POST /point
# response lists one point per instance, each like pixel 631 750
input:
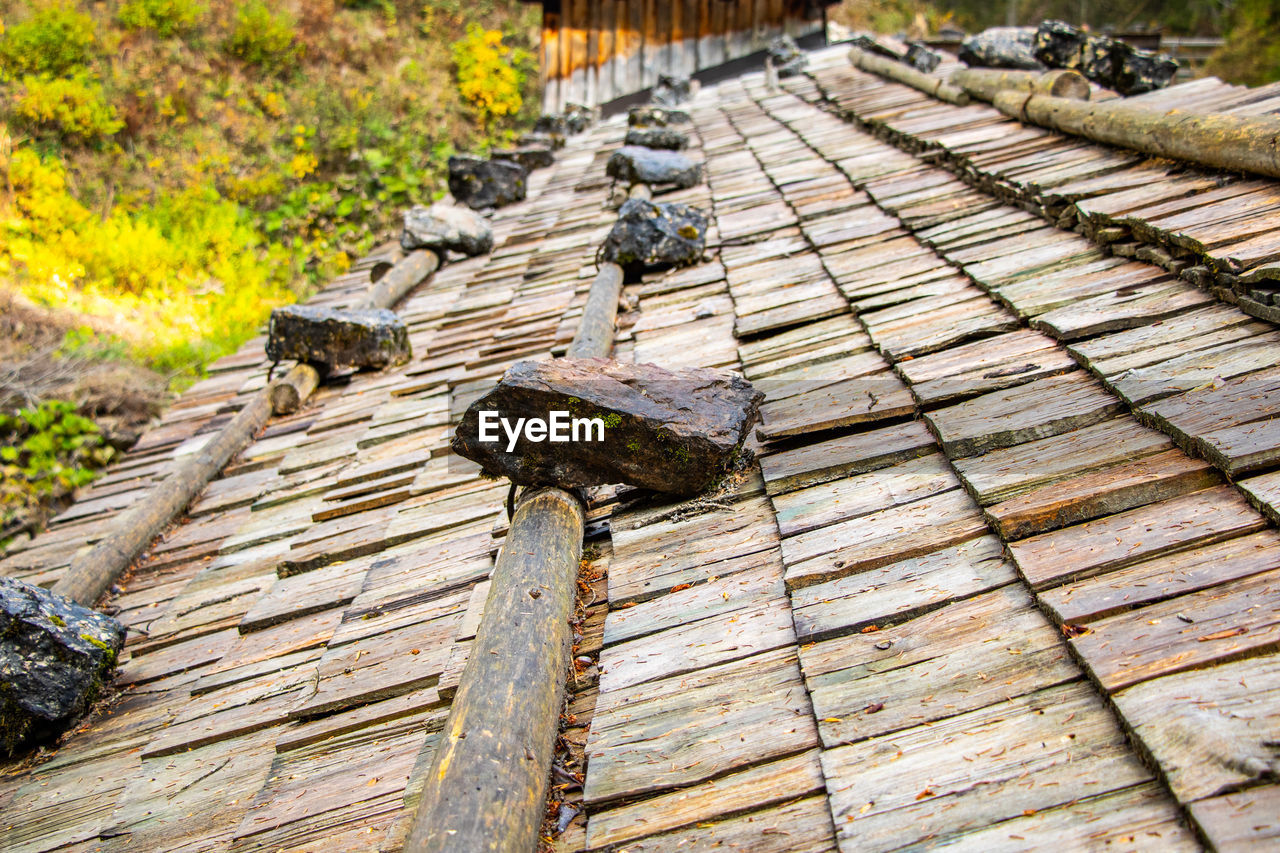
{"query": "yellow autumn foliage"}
pixel 177 279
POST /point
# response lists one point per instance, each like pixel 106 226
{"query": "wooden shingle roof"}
pixel 1006 575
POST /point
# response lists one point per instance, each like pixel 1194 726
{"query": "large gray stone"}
pixel 652 116
pixel 1001 47
pixel 331 339
pixel 54 658
pixel 787 58
pixel 552 125
pixel 443 227
pixel 633 164
pixel 921 57
pixel 665 138
pixel 650 236
pixel 480 183
pixel 578 117
pixel 530 156
pixel 671 431
pixel 671 90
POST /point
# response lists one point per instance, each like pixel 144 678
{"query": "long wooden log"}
pixel 595 330
pixel 487 786
pixel 92 573
pixel 938 87
pixel 1237 143
pixel 410 272
pixel 985 83
pixel 288 396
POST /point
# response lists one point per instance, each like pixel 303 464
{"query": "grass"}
pixel 169 171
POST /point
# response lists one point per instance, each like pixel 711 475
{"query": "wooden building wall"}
pixel 594 51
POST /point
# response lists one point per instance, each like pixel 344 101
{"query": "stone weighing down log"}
pixel 487 785
pixel 92 573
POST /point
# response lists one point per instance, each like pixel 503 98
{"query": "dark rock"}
pixel 551 125
pixel 671 91
pixel 787 58
pixel 332 339
pixel 530 156
pixel 657 137
pixel 481 183
pixel 671 431
pixel 921 57
pixel 650 236
pixel 1095 60
pixel 1108 62
pixel 635 165
pixel 1059 44
pixel 54 658
pixel 655 117
pixel 442 227
pixel 577 117
pixel 1136 71
pixel 554 141
pixel 1001 47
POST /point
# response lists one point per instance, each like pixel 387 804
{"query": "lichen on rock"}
pixel 55 657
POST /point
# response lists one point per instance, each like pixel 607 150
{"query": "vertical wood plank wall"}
pixel 594 51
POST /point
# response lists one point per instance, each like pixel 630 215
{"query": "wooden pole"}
pixel 92 573
pixel 288 396
pixel 487 785
pixel 985 83
pixel 410 272
pixel 1237 143
pixel 908 76
pixel 594 337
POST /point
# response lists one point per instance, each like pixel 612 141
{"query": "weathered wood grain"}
pixel 845 456
pixel 733 593
pixel 761 786
pixel 1038 409
pixel 946 519
pixel 957 658
pixel 1211 730
pixel 759 627
pixel 648 561
pixel 1241 821
pixel 1111 490
pixel 839 500
pixel 930 783
pixel 1009 472
pixel 1140 818
pixel 1163 577
pixel 691 728
pixel 1105 544
pixel 1226 622
pixel 901 590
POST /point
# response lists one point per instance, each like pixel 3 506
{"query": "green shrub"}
pixel 167 17
pixel 263 37
pixel 56 39
pixel 48 452
pixel 74 108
